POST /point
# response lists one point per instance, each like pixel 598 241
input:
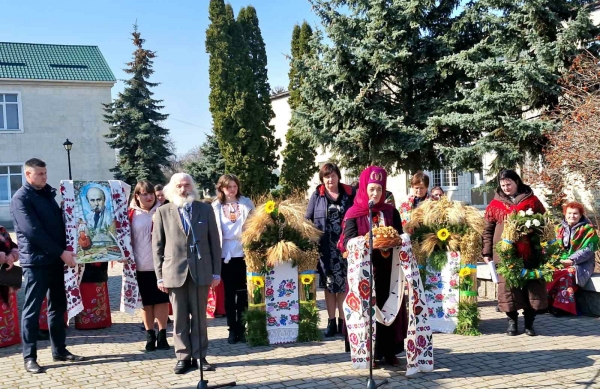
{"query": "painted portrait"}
pixel 95 221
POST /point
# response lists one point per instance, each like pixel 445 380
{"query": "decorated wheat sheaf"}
pixel 277 233
pixel 446 224
pixel 440 227
pixel 274 234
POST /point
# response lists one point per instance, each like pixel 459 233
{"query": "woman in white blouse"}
pixel 232 210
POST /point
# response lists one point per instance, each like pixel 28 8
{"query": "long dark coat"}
pixel 534 294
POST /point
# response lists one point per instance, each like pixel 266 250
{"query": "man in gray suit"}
pixel 183 273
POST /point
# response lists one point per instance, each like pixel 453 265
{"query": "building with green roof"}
pixel 49 93
pixel 28 61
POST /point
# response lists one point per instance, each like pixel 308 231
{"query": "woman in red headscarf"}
pixel 390 339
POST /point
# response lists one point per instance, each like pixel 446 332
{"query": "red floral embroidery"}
pixel 353 302
pixel 363 288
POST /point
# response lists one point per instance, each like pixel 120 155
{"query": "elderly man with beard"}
pixel 184 274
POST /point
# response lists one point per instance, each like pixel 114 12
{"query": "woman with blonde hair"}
pixel 155 302
pixel 231 211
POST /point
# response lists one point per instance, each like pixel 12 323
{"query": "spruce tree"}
pixel 299 153
pixel 207 169
pixel 247 144
pixel 512 72
pixel 368 92
pixel 134 119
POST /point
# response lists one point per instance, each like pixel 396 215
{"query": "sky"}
pixel 175 29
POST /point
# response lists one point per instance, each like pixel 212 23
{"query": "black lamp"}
pixel 68 145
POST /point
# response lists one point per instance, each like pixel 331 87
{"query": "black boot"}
pixel 529 319
pixel 161 342
pixel 331 328
pixel 232 338
pixel 241 332
pixel 340 326
pixel 346 344
pixel 150 340
pixel 513 327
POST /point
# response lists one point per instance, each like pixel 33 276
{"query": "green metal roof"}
pixel 32 61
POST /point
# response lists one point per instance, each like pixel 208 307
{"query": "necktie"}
pixel 185 213
pixel 96 219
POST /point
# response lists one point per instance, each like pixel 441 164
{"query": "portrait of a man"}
pixel 99 217
pixel 96 228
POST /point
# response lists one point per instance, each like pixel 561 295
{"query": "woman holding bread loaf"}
pixel 390 339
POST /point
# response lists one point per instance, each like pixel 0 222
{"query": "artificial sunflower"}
pixel 464 272
pixel 270 206
pixel 307 279
pixel 443 234
pixel 258 281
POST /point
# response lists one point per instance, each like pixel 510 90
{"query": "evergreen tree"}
pixel 369 92
pixel 207 169
pixel 248 21
pixel 299 153
pixel 246 142
pixel 141 142
pixel 512 78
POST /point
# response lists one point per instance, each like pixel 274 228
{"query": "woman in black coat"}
pixel 326 209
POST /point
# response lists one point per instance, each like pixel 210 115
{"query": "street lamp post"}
pixel 68 145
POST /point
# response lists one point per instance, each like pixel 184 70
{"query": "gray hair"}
pixel 169 189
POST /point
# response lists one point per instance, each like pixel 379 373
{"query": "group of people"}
pixel 340 212
pixel 578 240
pixel 183 247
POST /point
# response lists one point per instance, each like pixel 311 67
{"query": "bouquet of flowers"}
pixel 538 230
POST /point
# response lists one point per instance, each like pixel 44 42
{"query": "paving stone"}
pixel 565 354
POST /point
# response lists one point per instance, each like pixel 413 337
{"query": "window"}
pixel 11 179
pixel 437 178
pixel 477 178
pixel 10 112
pixel 445 178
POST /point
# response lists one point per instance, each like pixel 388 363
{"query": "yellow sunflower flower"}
pixel 307 279
pixel 258 281
pixel 464 272
pixel 270 206
pixel 443 234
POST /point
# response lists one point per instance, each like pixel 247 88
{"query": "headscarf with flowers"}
pixel 360 209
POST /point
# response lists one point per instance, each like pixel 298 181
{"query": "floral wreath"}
pixel 542 239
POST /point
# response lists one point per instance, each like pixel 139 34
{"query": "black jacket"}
pixel 39 226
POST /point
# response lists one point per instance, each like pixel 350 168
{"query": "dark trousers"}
pixel 233 275
pixel 37 282
pixel 529 314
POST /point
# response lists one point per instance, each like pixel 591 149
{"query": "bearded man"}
pixel 184 272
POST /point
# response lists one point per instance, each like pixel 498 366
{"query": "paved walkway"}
pixel 566 354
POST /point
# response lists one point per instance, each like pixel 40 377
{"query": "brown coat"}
pixel 173 259
pixel 534 295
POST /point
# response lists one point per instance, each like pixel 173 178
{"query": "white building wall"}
pixel 53 112
pixel 398 184
pixel 281 121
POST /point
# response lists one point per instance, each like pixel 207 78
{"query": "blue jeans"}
pixel 39 281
